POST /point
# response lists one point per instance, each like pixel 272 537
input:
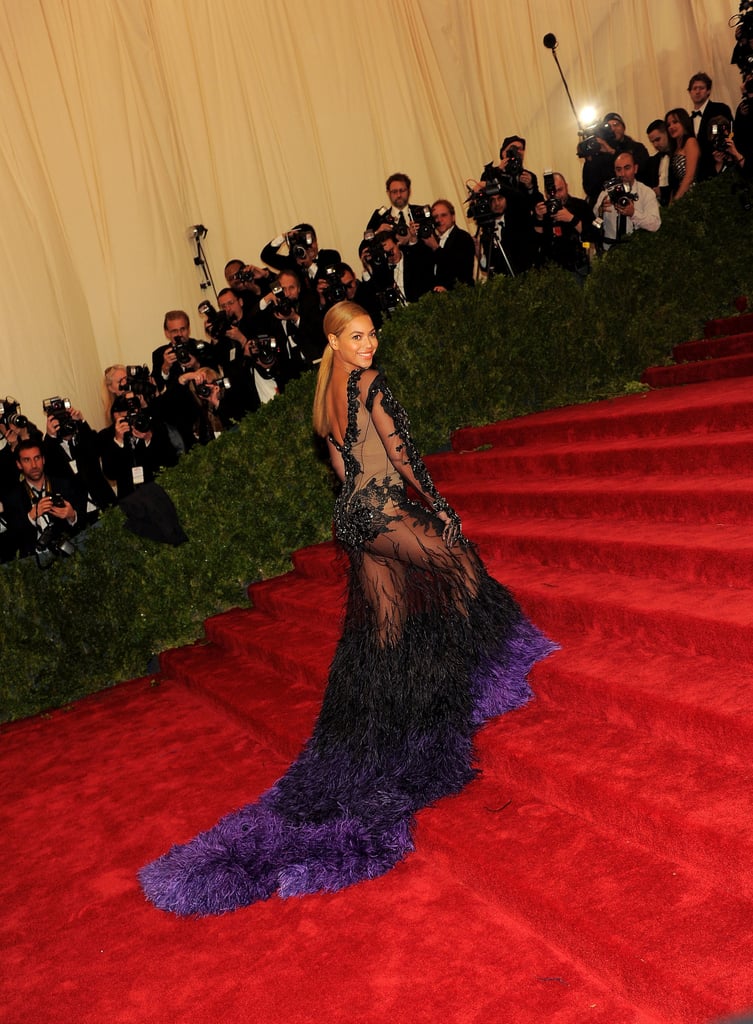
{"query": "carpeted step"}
pixel 722 453
pixel 277 709
pixel 685 617
pixel 697 499
pixel 702 408
pixel 716 555
pixel 713 348
pixel 699 702
pixel 729 325
pixel 607 900
pixel 672 800
pixel 691 373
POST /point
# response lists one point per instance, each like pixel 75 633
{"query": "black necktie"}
pixel 621 226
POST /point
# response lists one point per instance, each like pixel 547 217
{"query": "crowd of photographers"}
pixel 267 327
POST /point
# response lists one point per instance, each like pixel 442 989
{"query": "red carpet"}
pixel 598 871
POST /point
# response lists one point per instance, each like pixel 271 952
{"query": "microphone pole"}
pixel 550 42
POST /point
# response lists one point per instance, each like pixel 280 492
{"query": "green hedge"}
pixel 259 492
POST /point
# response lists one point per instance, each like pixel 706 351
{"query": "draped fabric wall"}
pixel 127 121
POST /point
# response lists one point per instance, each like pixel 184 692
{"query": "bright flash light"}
pixel 587 115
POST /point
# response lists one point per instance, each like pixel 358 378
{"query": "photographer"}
pixel 218 404
pixel 249 282
pixel 402 217
pixel 228 328
pixel 454 252
pixel 599 152
pixel 510 171
pixel 71 452
pixel 293 319
pixel 626 205
pixel 303 255
pixel 397 275
pixel 743 123
pixel 563 224
pixel 505 240
pixel 42 508
pixel 172 359
pixel 135 447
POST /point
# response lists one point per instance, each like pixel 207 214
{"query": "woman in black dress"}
pixel 431 647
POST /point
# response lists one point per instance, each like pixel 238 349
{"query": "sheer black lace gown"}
pixel 431 647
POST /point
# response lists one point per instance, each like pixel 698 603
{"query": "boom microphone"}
pixel 550 41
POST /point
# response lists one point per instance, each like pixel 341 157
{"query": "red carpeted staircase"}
pixel 726 350
pixel 600 868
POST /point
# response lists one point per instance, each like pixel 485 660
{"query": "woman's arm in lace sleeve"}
pixel 392 425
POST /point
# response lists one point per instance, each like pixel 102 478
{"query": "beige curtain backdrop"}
pixel 125 122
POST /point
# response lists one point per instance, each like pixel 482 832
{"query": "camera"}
pixel 138 382
pixel 552 203
pixel 479 201
pixel 335 289
pixel 268 347
pixel 184 350
pixel 138 418
pixel 58 501
pixel 205 390
pixel 619 193
pixel 10 414
pixel 60 408
pixel 52 542
pixel 514 166
pixel 300 243
pixel 218 322
pixel 283 305
pixel 425 223
pixel 589 144
pixel 719 132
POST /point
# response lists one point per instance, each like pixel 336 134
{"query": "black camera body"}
pixel 619 193
pixel 335 289
pixel 425 223
pixel 300 243
pixel 283 305
pixel 719 132
pixel 10 414
pixel 138 418
pixel 205 390
pixel 138 381
pixel 590 137
pixel 552 203
pixel 60 408
pixel 269 348
pixel 479 201
pixel 218 322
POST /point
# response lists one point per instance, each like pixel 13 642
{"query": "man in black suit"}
pixel 510 170
pixel 704 109
pixel 656 171
pixel 304 257
pixel 405 275
pixel 401 216
pixel 42 506
pixel 564 223
pixel 506 242
pixel 454 252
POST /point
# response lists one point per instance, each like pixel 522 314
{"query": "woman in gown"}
pixel 684 152
pixel 431 647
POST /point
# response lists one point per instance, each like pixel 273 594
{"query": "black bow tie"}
pixel 697 113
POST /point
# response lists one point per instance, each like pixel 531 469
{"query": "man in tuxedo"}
pixel 511 171
pixel 506 242
pixel 304 255
pixel 704 109
pixel 563 223
pixel 401 216
pixel 453 249
pixel 406 274
pixel 42 505
pixel 656 173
